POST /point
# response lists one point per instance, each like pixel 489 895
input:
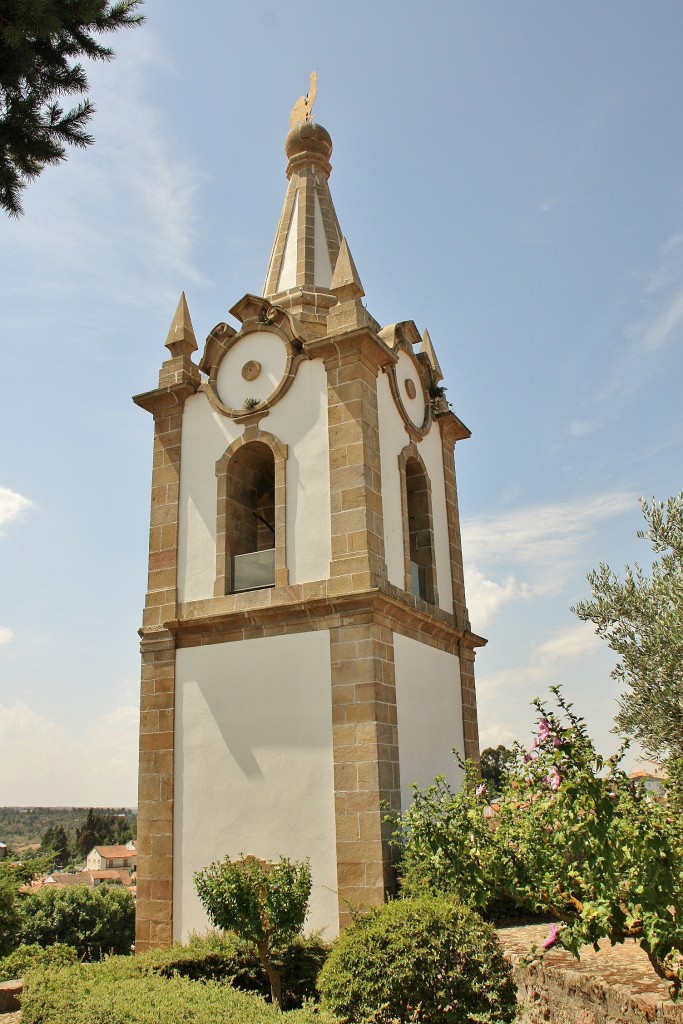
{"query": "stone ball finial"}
pixel 308 142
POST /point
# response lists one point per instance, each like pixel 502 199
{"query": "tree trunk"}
pixel 273 975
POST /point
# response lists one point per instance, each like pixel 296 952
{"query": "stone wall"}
pixel 616 985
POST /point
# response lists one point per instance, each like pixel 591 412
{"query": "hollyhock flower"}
pixel 553 778
pixel 553 936
pixel 543 730
pixel 480 790
pixel 557 742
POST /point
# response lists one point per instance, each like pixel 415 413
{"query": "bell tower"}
pixel 306 648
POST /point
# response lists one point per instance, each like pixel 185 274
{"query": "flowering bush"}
pixel 572 837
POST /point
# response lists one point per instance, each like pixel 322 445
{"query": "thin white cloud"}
pixel 504 696
pixel 651 451
pixel 667 326
pixel 546 660
pixel 46 764
pixel 6 635
pixel 541 534
pixel 485 597
pixel 546 540
pixel 668 272
pixel 12 505
pixel 137 153
pixel 129 201
pixel 659 326
pixel 580 428
pixel 572 642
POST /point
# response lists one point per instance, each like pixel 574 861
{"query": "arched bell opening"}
pixel 420 575
pixel 250 518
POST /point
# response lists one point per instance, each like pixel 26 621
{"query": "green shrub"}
pixel 28 958
pixel 224 957
pixel 111 992
pixel 427 959
pixel 264 902
pixel 93 921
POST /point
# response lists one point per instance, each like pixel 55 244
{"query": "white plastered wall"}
pixel 206 434
pixel 254 765
pixel 299 419
pixel 393 438
pixel 429 710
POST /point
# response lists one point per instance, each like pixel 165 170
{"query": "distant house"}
pixel 653 775
pixel 62 879
pixel 111 877
pixel 108 858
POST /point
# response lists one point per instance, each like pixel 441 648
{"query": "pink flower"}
pixel 557 742
pixel 480 790
pixel 553 778
pixel 543 730
pixel 553 936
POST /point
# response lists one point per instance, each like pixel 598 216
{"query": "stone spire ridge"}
pixel 346 283
pixel 349 312
pixel 308 238
pixel 428 350
pixel 181 339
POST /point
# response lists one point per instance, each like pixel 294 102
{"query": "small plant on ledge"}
pixel 250 403
pixel 437 396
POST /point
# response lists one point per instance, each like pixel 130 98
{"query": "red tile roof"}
pixel 112 873
pixel 110 852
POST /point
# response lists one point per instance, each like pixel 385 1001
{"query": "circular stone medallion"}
pixel 251 369
pixel 254 367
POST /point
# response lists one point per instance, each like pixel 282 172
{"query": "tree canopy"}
pixel 263 902
pixel 641 617
pixel 495 763
pixel 40 44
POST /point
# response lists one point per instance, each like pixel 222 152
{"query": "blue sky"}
pixel 509 176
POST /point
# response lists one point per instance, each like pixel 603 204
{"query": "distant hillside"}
pixel 24 826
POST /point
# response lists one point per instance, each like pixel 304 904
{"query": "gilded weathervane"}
pixel 302 110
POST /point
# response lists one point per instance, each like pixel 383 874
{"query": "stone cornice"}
pixel 452 428
pixel 166 399
pixel 289 608
pixel 361 341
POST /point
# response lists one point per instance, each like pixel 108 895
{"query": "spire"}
pixel 349 312
pixel 308 238
pixel 428 350
pixel 345 280
pixel 181 340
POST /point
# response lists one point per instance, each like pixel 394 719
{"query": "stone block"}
pixel 10 995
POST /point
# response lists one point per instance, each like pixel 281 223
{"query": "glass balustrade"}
pixel 418 581
pixel 254 570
